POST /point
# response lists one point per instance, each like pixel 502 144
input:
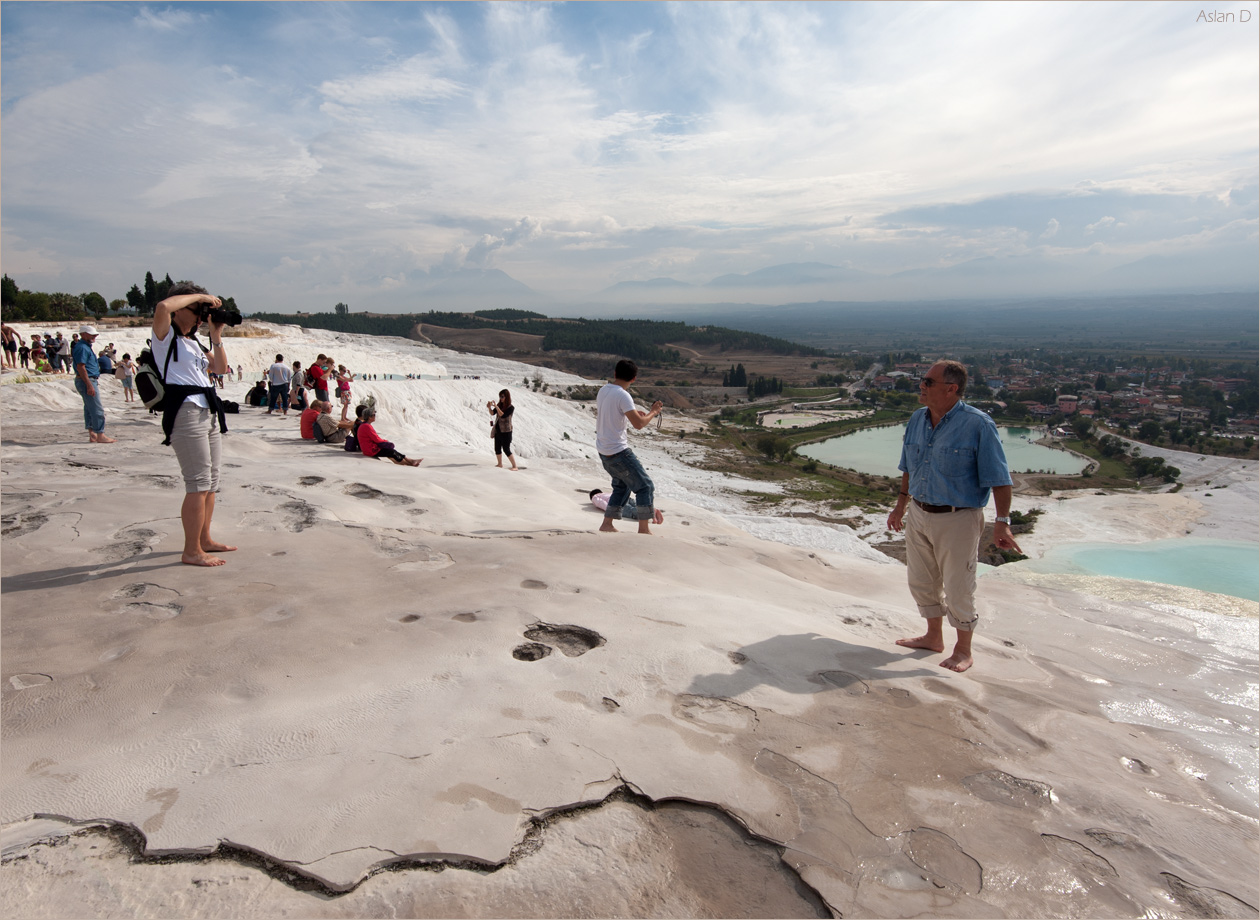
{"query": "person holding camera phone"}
pixel 501 427
pixel 192 415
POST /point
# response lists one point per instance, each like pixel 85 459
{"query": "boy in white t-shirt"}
pixel 614 407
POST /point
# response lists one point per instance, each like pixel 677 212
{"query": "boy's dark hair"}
pixel 626 370
pixel 186 287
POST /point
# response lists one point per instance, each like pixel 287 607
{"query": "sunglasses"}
pixel 929 382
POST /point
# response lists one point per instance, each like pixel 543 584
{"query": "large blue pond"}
pixel 877 450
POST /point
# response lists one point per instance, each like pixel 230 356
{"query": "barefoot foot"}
pixel 213 546
pixel 658 516
pixel 103 438
pixel 413 461
pixel 957 662
pixel 201 559
pixel 927 642
pixel 607 527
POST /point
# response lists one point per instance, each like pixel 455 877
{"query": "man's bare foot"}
pixel 658 516
pixel 957 662
pixel 201 559
pixel 213 546
pixel 927 642
pixel 607 526
pixel 413 461
pixel 103 438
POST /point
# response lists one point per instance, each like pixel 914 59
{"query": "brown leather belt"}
pixel 938 509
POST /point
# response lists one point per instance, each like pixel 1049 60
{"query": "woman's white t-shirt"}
pixel 189 365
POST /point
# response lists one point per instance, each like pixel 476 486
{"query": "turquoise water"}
pixel 877 450
pixel 1220 566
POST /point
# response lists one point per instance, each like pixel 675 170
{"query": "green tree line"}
pixel 36 306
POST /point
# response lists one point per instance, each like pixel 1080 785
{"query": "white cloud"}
pixel 1052 228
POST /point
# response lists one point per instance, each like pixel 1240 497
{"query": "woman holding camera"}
pixel 192 416
pixel 501 427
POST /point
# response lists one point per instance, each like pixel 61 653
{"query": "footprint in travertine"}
pixel 128 543
pixel 851 684
pixel 365 491
pixel 430 559
pixel 571 640
pixel 1205 902
pixel 1138 767
pixel 294 516
pixel 715 712
pixel 465 617
pixel 940 856
pixel 531 651
pixel 902 699
pixel 534 584
pixel 409 618
pixel 160 481
pixel 737 657
pixel 310 480
pixel 1084 862
pixel 26 681
pixel 996 786
pixel 150 600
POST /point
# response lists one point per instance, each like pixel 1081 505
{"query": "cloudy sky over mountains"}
pixel 299 154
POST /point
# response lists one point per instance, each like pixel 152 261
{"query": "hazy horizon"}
pixel 401 157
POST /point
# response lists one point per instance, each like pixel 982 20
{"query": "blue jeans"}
pixel 93 411
pixel 628 476
pixel 279 394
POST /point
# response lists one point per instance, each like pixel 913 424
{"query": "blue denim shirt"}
pixel 955 463
pixel 83 354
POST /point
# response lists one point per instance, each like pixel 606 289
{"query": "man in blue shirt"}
pixel 951 458
pixel 86 380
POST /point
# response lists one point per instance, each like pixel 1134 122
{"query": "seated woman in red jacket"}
pixel 372 444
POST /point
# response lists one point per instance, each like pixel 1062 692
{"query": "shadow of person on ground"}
pixel 804 663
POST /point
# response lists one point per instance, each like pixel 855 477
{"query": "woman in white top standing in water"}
pixel 193 403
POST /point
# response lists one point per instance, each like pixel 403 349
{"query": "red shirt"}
pixel 369 441
pixel 317 377
pixel 308 423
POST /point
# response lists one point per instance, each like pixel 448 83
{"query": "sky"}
pixel 412 156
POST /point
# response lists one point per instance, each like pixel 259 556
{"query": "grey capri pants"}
pixel 197 444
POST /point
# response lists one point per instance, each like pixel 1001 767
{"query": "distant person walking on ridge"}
pixel 278 377
pixel 192 415
pixel 614 408
pixel 87 373
pixel 951 458
pixel 501 427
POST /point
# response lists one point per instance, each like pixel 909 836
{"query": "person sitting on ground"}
pixel 373 445
pixel 258 395
pixel 309 415
pixel 334 431
pixel 599 499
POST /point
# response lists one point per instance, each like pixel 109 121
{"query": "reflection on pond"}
pixel 877 450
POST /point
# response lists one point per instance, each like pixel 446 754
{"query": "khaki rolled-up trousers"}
pixel 941 558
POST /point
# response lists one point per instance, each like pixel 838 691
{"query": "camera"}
pixel 228 316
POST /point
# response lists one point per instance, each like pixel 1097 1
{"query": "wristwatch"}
pixel 1002 520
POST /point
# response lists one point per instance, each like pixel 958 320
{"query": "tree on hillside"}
pixel 341 309
pixel 150 294
pixel 95 304
pixel 116 305
pixel 135 298
pixel 65 307
pixel 8 291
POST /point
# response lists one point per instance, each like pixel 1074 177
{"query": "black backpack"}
pixel 151 382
